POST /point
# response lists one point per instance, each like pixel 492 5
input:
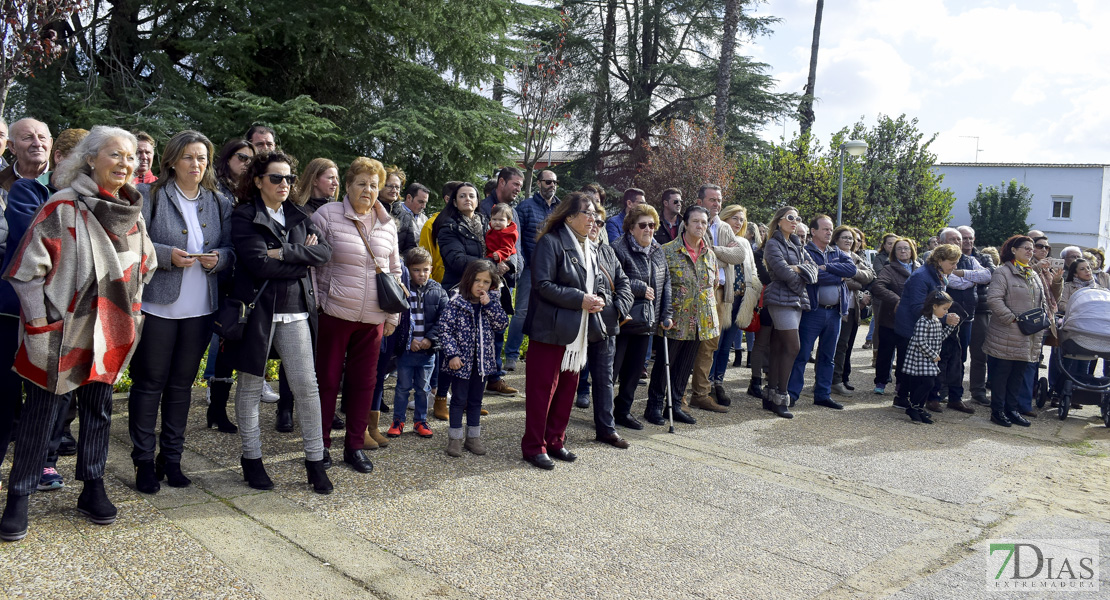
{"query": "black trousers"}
pixel 682 354
pixel 162 373
pixel 40 412
pixel 600 363
pixel 11 384
pixel 844 344
pixel 950 382
pixel 628 362
pixel 889 343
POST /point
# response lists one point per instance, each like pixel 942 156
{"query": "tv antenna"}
pixel 977 150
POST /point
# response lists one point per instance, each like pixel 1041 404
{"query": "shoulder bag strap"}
pixel 362 234
pixel 258 296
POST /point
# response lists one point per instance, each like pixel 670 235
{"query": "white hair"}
pixel 943 235
pixel 1076 249
pixel 966 230
pixel 78 160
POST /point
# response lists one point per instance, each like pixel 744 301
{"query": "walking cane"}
pixel 667 366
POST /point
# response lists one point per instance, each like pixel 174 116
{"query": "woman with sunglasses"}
pixel 791 269
pixel 641 257
pixel 352 325
pixel 275 246
pixel 1051 278
pixel 563 299
pixel 741 296
pixel 1012 356
pixel 230 166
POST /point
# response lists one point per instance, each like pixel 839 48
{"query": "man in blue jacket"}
pixel 828 302
pixel 531 213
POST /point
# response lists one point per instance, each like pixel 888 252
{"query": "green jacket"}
pixel 692 300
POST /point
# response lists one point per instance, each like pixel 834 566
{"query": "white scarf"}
pixel 574 357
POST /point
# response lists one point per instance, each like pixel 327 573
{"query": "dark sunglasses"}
pixel 1043 247
pixel 646 225
pixel 277 179
pixel 551 181
pixel 599 223
pixel 243 157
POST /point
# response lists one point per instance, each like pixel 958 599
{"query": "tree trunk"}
pixel 724 66
pixel 805 110
pixel 608 48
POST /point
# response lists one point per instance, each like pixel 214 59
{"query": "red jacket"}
pixel 501 244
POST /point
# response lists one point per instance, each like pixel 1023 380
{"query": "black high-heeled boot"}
pixel 171 471
pixel 254 473
pixel 146 477
pixel 318 476
pixel 217 408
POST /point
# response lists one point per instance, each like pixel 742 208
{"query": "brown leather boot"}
pixel 372 429
pixel 708 403
pixel 933 406
pixel 439 409
pixel 961 406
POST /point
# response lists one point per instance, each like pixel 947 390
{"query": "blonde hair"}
pixel 307 181
pixel 364 166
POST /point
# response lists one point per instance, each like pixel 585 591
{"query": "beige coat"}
pixel 1009 295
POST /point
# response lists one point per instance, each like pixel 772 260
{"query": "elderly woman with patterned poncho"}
pixel 80 274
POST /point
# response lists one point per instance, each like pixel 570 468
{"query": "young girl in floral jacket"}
pixel 467 328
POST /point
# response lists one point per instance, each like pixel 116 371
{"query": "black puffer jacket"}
pixel 612 285
pixel 459 246
pixel 646 270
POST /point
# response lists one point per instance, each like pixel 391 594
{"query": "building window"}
pixel 1061 207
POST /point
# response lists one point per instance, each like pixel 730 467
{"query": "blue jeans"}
pixel 414 372
pixel 210 364
pixel 516 325
pixel 819 324
pixel 871 327
pixel 724 347
pixel 498 343
pixel 1011 384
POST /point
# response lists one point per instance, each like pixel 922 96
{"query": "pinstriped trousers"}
pixel 36 424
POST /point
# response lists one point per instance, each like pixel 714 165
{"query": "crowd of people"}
pixel 241 255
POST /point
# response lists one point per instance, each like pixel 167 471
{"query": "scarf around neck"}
pixel 574 357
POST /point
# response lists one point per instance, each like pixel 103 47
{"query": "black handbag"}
pixel 642 314
pixel 392 297
pixel 233 315
pixel 1033 321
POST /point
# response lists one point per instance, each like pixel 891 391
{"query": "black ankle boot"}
pixel 755 388
pixel 13 525
pixel 914 414
pixel 682 416
pixel 318 476
pixel 217 408
pixel 653 413
pixel 146 477
pixel 94 503
pixel 254 473
pixel 284 421
pixel 172 472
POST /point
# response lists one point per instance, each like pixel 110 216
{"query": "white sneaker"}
pixel 269 396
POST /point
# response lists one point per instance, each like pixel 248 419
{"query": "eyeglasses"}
pixel 1044 247
pixel 392 186
pixel 646 225
pixel 277 179
pixel 243 157
pixel 589 213
pixel 1024 248
pixel 549 181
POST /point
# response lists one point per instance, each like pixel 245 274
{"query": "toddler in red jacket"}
pixel 501 242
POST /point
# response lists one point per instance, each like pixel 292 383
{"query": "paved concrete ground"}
pixel 832 504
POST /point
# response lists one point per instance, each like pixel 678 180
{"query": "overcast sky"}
pixel 1030 79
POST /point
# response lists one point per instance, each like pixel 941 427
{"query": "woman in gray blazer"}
pixel 191 231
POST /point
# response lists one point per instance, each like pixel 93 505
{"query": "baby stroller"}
pixel 1084 336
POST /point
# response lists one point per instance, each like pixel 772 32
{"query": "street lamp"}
pixel 855 148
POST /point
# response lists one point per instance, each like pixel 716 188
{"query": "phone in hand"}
pixel 201 254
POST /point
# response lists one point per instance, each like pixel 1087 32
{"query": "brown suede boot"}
pixel 439 410
pixel 372 429
pixel 368 442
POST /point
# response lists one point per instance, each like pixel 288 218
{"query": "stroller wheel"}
pixel 1105 406
pixel 1065 403
pixel 1042 392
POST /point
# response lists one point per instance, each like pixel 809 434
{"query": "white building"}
pixel 1071 203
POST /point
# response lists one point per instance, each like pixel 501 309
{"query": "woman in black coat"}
pixel 275 245
pixel 564 280
pixel 614 288
pixel 460 232
pixel 641 256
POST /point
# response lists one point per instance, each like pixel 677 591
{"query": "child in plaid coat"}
pixel 923 353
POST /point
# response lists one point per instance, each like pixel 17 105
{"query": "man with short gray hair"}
pixel 962 286
pixel 977 373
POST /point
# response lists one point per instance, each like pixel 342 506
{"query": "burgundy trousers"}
pixel 357 345
pixel 549 398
